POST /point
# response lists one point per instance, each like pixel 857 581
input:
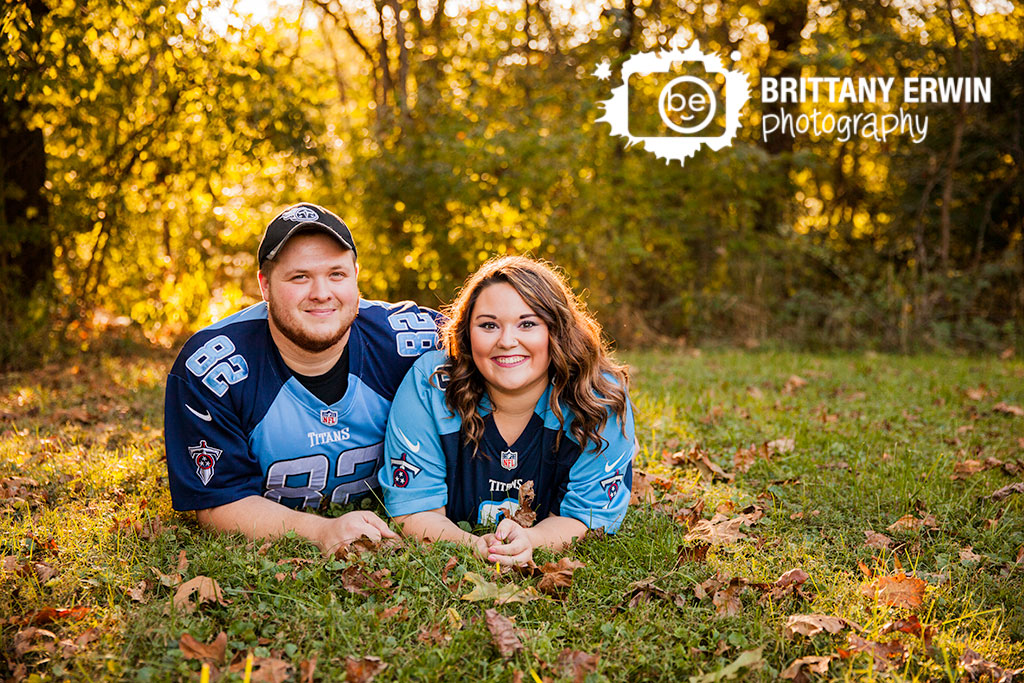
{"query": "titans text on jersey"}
pixel 238 423
pixel 426 465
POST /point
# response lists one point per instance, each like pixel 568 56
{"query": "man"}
pixel 283 406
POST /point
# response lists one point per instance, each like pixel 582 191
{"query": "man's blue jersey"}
pixel 237 422
pixel 427 465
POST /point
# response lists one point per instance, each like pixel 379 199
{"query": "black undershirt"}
pixel 330 386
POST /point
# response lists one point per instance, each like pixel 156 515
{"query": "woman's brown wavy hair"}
pixel 582 373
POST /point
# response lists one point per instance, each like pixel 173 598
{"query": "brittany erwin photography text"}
pixel 875 125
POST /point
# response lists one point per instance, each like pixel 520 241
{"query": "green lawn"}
pixel 86 519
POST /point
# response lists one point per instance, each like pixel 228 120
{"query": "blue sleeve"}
pixel 413 476
pixel 208 457
pixel 599 481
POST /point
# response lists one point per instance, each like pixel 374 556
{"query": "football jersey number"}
pixel 313 470
pixel 208 362
pixel 417 332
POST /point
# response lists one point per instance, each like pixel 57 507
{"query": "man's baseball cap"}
pixel 302 217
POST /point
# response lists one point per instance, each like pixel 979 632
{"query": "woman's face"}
pixel 509 342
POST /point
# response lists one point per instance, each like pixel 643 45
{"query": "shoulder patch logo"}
pixel 404 470
pixel 611 485
pixel 329 417
pixel 510 459
pixel 300 214
pixel 205 457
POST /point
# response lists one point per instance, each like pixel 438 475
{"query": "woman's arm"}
pixel 514 544
pixel 433 525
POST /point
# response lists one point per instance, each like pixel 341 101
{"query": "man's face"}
pixel 311 292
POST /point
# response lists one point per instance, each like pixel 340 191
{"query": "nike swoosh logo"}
pixel 205 417
pixel 405 439
pixel 626 455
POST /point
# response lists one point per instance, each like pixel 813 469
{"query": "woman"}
pixel 523 391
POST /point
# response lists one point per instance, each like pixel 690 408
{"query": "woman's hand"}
pixel 510 544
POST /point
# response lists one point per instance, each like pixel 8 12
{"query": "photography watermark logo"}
pixel 676 101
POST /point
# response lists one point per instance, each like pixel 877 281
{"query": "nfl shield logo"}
pixel 329 417
pixel 509 459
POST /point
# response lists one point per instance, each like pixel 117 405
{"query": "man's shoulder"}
pixel 243 333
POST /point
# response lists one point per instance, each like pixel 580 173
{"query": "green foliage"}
pixel 446 135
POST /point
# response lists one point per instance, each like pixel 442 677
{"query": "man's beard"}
pixel 302 338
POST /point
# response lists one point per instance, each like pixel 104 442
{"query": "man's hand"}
pixel 339 532
pixel 512 544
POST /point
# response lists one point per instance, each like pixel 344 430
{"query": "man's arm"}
pixel 257 517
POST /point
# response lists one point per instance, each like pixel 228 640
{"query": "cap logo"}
pixel 300 214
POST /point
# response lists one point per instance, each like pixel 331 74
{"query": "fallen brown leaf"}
pixel 448 567
pixel 503 634
pixel 699 458
pixel 720 530
pixel 896 591
pixel 434 634
pixel 874 539
pixel 799 668
pixel 977 393
pixel 363 669
pixel 264 669
pixel 750 659
pixel 812 624
pixel 577 664
pixel 212 652
pixel 975 666
pixel 206 590
pixel 968 555
pixel 1007 491
pixel 1008 409
pixel 911 523
pixel 642 591
pixel 558 575
pixel 25 641
pixel 169 580
pixel 793 384
pixel 524 516
pixel 641 491
pixel 50 614
pixel 399 612
pixel 354 579
pixel 692 553
pixel 138 591
pixel 727 601
pixel 781 446
pixel 881 653
pixel 306 669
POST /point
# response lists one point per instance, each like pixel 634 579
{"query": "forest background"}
pixel 144 145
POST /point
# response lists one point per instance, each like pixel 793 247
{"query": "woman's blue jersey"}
pixel 237 422
pixel 427 465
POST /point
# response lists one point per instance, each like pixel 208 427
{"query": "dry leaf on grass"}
pixel 138 591
pixel 642 491
pixel 699 458
pixel 874 539
pixel 720 530
pixel 354 579
pixel 486 590
pixel 896 591
pixel 48 615
pixel 399 612
pixel 577 664
pixel 812 624
pixel 750 660
pixel 727 601
pixel 883 654
pixel 264 669
pixel 1007 491
pixel 1008 409
pixel 788 584
pixel 909 522
pixel 692 553
pixel 968 555
pixel 558 575
pixel 212 652
pixel 503 634
pixel 206 590
pixel 363 669
pixel 434 634
pixel 448 567
pixel 793 384
pixel 969 467
pixel 306 669
pixel 781 446
pixel 800 668
pixel 976 666
pixel 642 591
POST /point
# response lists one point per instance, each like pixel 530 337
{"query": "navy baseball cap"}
pixel 303 217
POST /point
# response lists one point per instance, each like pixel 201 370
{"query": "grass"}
pixel 876 437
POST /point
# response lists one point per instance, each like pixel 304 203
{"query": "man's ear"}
pixel 264 285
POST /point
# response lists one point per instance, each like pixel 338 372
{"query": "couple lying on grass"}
pixel 315 396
